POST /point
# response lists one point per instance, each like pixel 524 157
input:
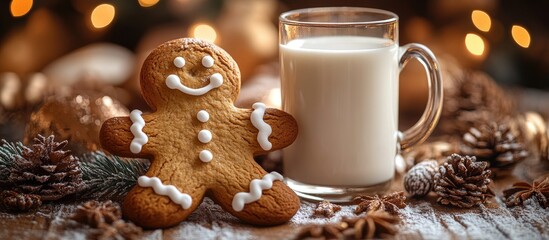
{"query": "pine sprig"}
pixel 105 176
pixel 109 177
pixel 8 151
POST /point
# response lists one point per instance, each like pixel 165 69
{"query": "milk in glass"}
pixel 343 92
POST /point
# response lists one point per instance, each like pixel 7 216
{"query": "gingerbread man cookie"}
pixel 199 143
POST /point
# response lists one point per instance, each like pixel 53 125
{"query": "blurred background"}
pixel 82 57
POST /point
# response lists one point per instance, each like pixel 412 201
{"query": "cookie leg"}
pixel 276 205
pixel 158 206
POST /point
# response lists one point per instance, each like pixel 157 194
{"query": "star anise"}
pixel 106 220
pixel 521 191
pixel 97 214
pixel 326 208
pixel 120 229
pixel 390 203
pixel 375 224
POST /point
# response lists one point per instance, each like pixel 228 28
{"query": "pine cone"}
pixel 420 179
pixel 532 129
pixel 20 202
pixel 436 150
pixel 46 170
pixel 472 97
pixel 493 143
pixel 463 182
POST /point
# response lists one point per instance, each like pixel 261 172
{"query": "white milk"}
pixel 343 92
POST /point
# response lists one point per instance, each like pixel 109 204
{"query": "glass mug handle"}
pixel 428 121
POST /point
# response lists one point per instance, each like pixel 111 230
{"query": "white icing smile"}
pixel 174 82
pixel 170 191
pixel 256 190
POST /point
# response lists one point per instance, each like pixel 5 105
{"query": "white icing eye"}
pixel 179 62
pixel 216 80
pixel 207 61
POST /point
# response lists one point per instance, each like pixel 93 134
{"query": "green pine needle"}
pixel 105 177
pixel 8 151
pixel 109 177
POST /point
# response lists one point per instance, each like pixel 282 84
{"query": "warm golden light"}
pixel 474 44
pixel 148 3
pixel 274 99
pixel 20 7
pixel 204 32
pixel 102 15
pixel 481 20
pixel 521 36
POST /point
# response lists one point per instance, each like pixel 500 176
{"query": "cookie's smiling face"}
pixel 194 68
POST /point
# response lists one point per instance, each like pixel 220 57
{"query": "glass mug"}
pixel 340 74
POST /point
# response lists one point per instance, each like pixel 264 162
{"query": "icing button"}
pixel 204 136
pixel 203 116
pixel 205 156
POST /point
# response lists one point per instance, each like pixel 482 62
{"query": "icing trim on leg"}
pixel 139 137
pixel 265 129
pixel 256 189
pixel 170 191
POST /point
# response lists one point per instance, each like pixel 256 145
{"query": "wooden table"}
pixel 422 219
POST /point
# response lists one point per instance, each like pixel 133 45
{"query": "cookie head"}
pixel 186 69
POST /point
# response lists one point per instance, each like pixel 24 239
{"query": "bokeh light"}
pixel 147 3
pixel 475 44
pixel 481 20
pixel 19 8
pixel 274 98
pixel 521 36
pixel 204 32
pixel 102 15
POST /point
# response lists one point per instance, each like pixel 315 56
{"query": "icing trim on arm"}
pixel 170 191
pixel 174 82
pixel 265 129
pixel 139 137
pixel 256 188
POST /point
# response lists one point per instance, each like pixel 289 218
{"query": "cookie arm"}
pixel 284 128
pixel 116 137
pixel 266 129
